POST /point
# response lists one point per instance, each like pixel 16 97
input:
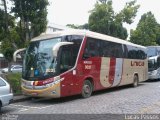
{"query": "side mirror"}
pixel 58 45
pixel 15 55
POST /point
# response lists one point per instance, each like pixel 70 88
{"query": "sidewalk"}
pixel 20 98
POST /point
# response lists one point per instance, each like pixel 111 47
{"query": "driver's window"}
pixel 66 59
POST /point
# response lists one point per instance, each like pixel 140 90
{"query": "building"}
pixel 51 27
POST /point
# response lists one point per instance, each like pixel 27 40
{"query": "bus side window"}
pixel 111 49
pixel 66 59
pixel 92 48
pixel 117 51
pixel 125 51
pixel 106 49
pixel 132 52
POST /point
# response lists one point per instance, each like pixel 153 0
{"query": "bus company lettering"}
pixel 137 63
pixel 87 62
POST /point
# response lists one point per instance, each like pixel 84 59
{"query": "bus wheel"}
pixel 135 81
pixel 87 89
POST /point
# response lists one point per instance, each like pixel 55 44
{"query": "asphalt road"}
pixel 145 99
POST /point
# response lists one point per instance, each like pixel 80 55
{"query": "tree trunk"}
pixel 6 16
pixel 27 31
pixel 9 66
pixel 22 23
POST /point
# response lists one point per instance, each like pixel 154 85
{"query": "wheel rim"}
pixel 86 89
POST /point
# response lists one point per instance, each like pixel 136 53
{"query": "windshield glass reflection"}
pixel 39 62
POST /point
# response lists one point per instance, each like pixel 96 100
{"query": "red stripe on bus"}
pixel 112 70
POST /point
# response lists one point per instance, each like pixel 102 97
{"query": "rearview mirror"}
pixel 58 45
pixel 16 55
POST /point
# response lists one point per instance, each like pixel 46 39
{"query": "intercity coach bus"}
pixel 153 53
pixel 79 62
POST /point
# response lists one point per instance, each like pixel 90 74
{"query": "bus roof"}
pixel 153 46
pixel 84 33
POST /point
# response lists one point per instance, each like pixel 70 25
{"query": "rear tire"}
pixel 87 89
pixel 135 81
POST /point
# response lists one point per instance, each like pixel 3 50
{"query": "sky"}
pixel 76 12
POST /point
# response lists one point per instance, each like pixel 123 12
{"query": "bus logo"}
pixel 137 63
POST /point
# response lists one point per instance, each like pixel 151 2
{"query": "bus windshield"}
pixel 152 65
pixel 39 62
pixel 151 51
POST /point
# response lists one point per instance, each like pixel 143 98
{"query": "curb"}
pixel 20 98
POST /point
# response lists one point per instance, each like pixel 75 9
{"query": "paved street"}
pixel 122 100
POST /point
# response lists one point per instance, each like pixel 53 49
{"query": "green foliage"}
pixel 8 38
pixel 11 24
pixel 128 13
pixel 85 26
pixel 72 26
pixel 15 81
pixel 32 14
pixel 147 31
pixel 7 50
pixel 32 22
pixel 104 20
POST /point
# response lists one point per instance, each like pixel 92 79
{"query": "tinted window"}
pixel 2 83
pixel 111 49
pixel 125 51
pixel 69 53
pixel 65 60
pixel 141 54
pixel 73 38
pixel 96 47
pixel 92 48
pixel 151 51
pixel 135 52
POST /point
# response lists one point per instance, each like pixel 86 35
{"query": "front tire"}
pixel 87 89
pixel 135 81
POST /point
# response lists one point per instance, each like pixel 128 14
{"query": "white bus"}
pixel 153 53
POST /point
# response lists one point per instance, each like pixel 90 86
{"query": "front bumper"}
pixel 51 92
pixel 153 75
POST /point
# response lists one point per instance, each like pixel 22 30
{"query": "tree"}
pixel 32 14
pixel 104 20
pixel 8 34
pixel 84 26
pixel 147 31
pixel 72 26
pixel 32 22
pixel 5 15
